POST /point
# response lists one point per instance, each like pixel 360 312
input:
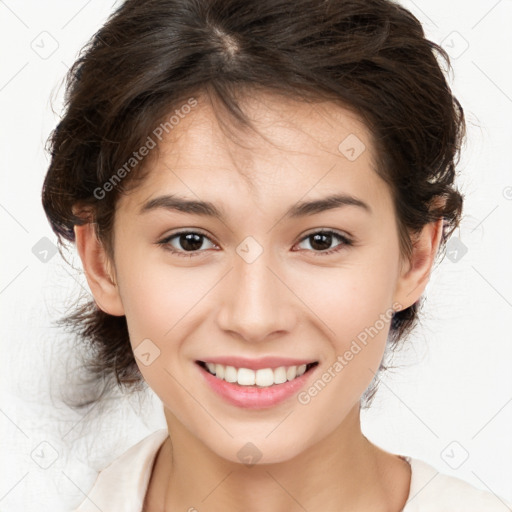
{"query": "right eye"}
pixel 190 242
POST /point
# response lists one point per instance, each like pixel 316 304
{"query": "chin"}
pixel 254 451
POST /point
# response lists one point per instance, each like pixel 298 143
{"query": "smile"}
pixel 263 378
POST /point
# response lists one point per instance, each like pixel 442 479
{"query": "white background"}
pixel 452 397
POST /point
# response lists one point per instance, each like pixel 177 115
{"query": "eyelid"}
pixel 342 234
pixel 183 231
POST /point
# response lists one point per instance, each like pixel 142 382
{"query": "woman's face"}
pixel 253 282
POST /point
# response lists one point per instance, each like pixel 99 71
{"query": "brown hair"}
pixel 368 55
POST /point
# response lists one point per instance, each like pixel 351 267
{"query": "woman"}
pixel 258 192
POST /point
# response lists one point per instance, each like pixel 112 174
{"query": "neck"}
pixel 344 471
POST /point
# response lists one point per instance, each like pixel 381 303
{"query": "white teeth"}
pixel 230 375
pixel 219 371
pixel 291 372
pixel 301 369
pixel 280 375
pixel 246 377
pixel 264 377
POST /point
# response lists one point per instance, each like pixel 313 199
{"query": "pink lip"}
pixel 258 364
pixel 254 397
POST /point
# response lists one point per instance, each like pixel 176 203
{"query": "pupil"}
pixel 191 241
pixel 318 237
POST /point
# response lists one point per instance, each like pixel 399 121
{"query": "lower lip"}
pixel 253 397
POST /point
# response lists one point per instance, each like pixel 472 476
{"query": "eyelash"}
pixel 346 242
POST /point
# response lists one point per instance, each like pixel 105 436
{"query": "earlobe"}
pixel 98 270
pixel 415 276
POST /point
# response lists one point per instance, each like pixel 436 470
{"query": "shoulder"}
pixel 433 491
pixel 123 483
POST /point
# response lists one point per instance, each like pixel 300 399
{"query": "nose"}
pixel 256 301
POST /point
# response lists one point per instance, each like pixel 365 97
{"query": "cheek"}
pixel 157 296
pixel 360 317
pixel 349 298
pixel 159 303
pixel 354 307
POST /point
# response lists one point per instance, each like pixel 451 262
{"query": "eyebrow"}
pixel 208 209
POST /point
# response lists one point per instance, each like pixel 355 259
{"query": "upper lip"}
pixel 257 364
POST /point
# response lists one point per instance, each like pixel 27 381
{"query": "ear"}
pixel 98 270
pixel 415 273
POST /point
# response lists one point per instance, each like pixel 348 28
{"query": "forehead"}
pixel 299 149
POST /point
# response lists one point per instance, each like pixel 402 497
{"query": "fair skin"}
pixel 289 301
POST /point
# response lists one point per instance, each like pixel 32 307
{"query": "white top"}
pixel 122 485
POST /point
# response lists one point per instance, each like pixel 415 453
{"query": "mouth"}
pixel 261 378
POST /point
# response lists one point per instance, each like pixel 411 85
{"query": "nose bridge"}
pixel 256 302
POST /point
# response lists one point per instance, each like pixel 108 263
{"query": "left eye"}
pixel 322 240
